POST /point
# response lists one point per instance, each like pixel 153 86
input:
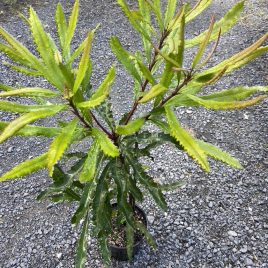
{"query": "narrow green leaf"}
pixel 61 24
pixel 6 87
pixel 218 154
pixel 124 57
pixel 130 240
pixel 203 44
pixel 70 30
pixel 25 119
pixel 226 23
pixel 145 71
pixel 131 128
pixel 77 52
pixel 152 93
pixel 148 236
pixel 101 93
pixel 89 169
pixel 226 105
pixel 14 107
pixel 197 9
pixel 21 50
pixel 146 180
pixel 105 143
pixel 170 11
pixel 146 25
pixel 26 168
pixel 33 130
pixel 172 186
pixel 234 94
pixel 234 62
pixel 81 251
pixel 136 25
pixel 83 64
pixel 59 145
pixel 34 91
pixel 186 140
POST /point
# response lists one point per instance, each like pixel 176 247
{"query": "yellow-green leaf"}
pixel 25 119
pixel 170 11
pixel 186 140
pixel 125 58
pixel 226 105
pixel 203 45
pixel 152 93
pixel 59 145
pixel 61 24
pixel 26 168
pixel 218 154
pixel 14 107
pixel 197 9
pixel 71 28
pixel 88 172
pixel 33 130
pixel 31 91
pixel 101 93
pixel 83 64
pixel 131 127
pixel 105 143
pixel 224 24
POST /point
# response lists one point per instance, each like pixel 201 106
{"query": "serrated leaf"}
pixel 14 107
pixel 89 169
pixel 225 105
pixel 224 24
pixel 170 11
pixel 71 29
pixel 46 48
pixel 186 140
pixel 25 119
pixel 146 25
pixel 197 9
pixel 59 145
pixel 172 186
pixel 33 130
pixel 21 50
pixel 83 64
pixel 34 91
pixel 61 24
pixel 101 93
pixel 146 72
pixel 152 93
pixel 145 232
pixel 26 168
pixel 155 6
pixel 130 240
pixel 136 25
pixel 203 44
pixel 124 57
pixel 105 143
pixel 81 250
pixel 146 180
pixel 218 154
pixel 131 128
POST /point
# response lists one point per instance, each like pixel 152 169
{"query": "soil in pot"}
pixel 117 240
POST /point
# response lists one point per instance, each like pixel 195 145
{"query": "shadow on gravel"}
pixel 10 8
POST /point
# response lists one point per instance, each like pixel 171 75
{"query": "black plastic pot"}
pixel 120 253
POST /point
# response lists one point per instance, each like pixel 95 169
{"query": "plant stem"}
pixel 76 112
pixel 110 135
pixel 81 118
pixel 144 85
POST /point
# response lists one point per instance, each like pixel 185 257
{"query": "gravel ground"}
pixel 217 220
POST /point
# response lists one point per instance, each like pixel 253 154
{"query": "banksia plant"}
pixel 109 170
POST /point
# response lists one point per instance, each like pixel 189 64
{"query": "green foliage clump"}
pixel 109 170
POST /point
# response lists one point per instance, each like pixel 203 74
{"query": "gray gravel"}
pixel 217 220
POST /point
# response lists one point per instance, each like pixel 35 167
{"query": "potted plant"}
pixel 108 179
